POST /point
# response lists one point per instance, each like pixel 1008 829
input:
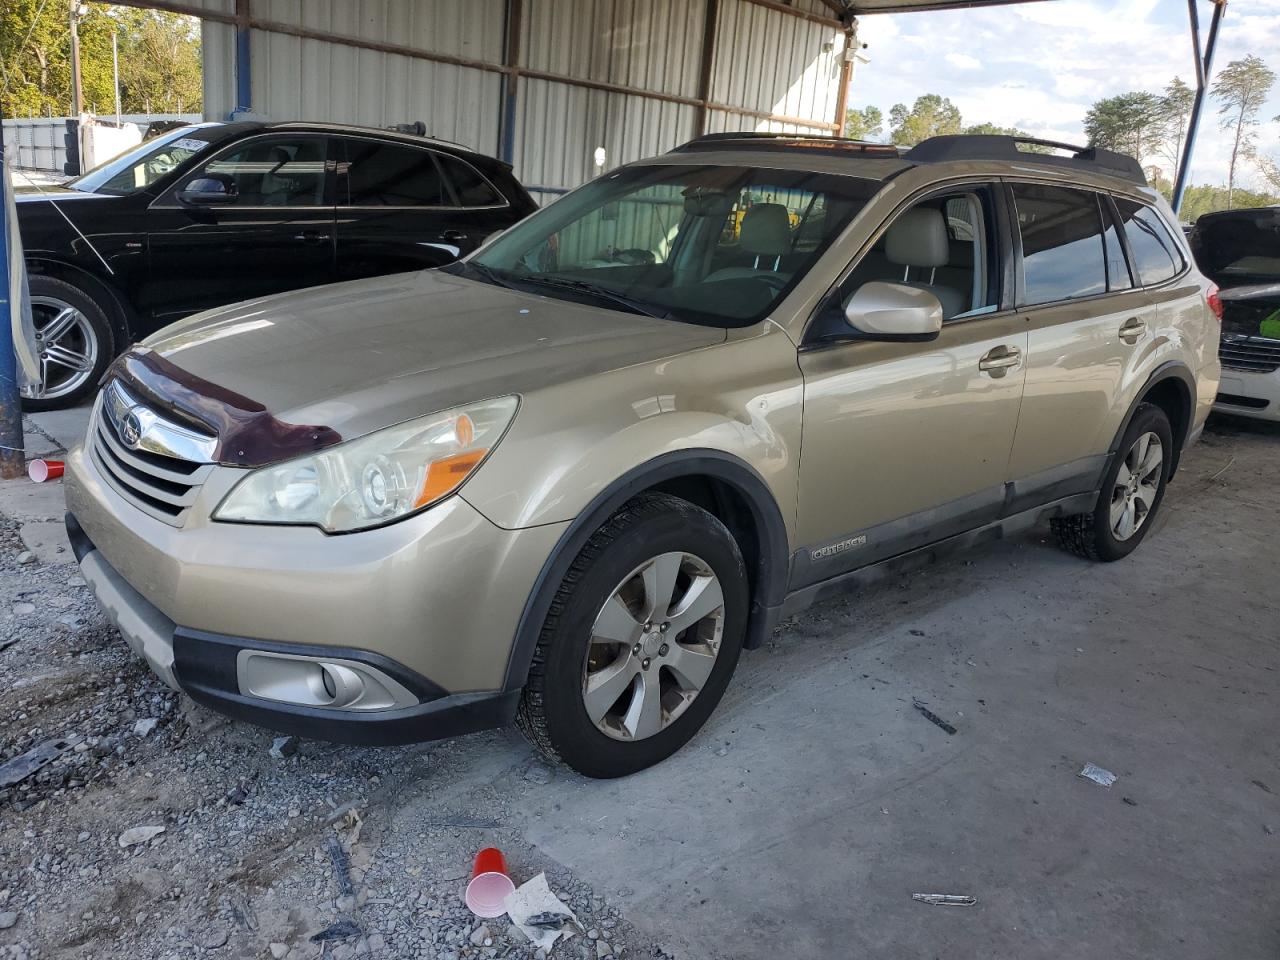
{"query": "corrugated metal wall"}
pixel 765 62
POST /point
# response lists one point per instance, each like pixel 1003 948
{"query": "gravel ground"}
pixel 239 853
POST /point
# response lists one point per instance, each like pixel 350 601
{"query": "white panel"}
pixel 774 63
pixel 652 45
pixel 218 46
pixel 460 28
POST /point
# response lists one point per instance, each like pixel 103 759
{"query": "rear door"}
pixel 406 207
pixel 277 235
pixel 1090 328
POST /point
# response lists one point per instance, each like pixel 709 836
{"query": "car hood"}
pixel 367 354
pixel 32 194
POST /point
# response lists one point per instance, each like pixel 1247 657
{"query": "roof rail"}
pixel 756 140
pixel 1001 147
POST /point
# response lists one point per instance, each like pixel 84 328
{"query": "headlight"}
pixel 375 479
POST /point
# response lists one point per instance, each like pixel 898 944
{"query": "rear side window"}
pixel 468 183
pixel 1063 256
pixel 1156 257
pixel 1118 275
pixel 393 175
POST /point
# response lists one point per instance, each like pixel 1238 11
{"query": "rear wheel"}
pixel 641 640
pixel 1132 490
pixel 73 342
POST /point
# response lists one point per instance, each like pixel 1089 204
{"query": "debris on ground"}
pixel 342 930
pixel 540 915
pixel 1095 773
pixel 282 747
pixel 19 768
pixel 933 717
pixel 136 835
pixel 944 899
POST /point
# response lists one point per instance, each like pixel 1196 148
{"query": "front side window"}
pixel 271 172
pixel 1156 257
pixel 1062 248
pixel 393 175
pixel 714 245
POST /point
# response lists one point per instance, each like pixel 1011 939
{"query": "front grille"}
pixel 1255 354
pixel 160 485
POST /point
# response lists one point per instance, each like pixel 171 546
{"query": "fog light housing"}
pixel 332 682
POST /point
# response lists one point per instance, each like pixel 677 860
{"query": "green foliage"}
pixel 865 124
pixel 1241 90
pixel 1128 123
pixel 159 59
pixel 1210 198
pixel 930 116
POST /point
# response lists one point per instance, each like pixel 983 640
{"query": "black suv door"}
pixel 405 207
pixel 275 235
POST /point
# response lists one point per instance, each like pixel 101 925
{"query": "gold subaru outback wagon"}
pixel 566 481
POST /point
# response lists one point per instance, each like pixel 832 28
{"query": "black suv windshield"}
pixel 713 245
pixel 143 165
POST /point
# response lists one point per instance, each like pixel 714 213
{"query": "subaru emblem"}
pixel 131 429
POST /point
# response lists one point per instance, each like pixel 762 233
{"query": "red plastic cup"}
pixel 42 470
pixel 490 886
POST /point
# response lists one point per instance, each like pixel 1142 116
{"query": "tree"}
pixel 1241 90
pixel 1128 123
pixel 864 124
pixel 930 116
pixel 159 51
pixel 1175 112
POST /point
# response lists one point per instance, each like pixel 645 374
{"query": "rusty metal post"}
pixel 11 452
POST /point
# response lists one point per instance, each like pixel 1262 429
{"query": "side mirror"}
pixel 210 189
pixel 894 311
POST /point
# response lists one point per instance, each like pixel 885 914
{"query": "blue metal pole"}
pixel 244 74
pixel 11 452
pixel 1204 73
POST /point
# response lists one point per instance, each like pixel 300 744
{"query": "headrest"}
pixel 918 238
pixel 766 230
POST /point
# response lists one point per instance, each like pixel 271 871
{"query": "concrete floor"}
pixel 817 800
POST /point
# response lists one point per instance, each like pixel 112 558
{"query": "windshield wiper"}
pixel 488 273
pixel 604 293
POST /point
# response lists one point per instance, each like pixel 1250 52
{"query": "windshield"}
pixel 143 165
pixel 712 245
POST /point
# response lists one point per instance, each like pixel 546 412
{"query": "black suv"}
pixel 210 214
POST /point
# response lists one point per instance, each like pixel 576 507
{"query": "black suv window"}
pixel 472 189
pixel 1062 249
pixel 1156 257
pixel 393 175
pixel 275 172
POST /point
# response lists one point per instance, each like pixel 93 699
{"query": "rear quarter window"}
pixel 1063 255
pixel 1156 255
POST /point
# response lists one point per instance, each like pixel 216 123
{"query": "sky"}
pixel 1040 66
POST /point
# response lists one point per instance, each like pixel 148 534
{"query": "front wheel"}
pixel 1132 490
pixel 640 642
pixel 73 342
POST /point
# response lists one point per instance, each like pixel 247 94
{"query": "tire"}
pixel 83 333
pixel 1095 536
pixel 606 592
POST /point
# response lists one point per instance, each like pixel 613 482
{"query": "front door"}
pixel 908 443
pixel 276 235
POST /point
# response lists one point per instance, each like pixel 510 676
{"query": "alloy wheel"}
pixel 66 345
pixel 1137 485
pixel 653 646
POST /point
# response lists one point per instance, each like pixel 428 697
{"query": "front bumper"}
pixel 202 665
pixel 1243 393
pixel 432 602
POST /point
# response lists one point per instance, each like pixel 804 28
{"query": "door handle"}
pixel 453 236
pixel 311 237
pixel 999 360
pixel 1133 329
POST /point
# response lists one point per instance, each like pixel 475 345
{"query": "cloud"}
pixel 962 61
pixel 1044 64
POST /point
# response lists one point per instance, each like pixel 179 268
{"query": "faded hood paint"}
pixel 368 354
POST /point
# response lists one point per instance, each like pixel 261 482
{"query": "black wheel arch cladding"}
pixel 766 575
